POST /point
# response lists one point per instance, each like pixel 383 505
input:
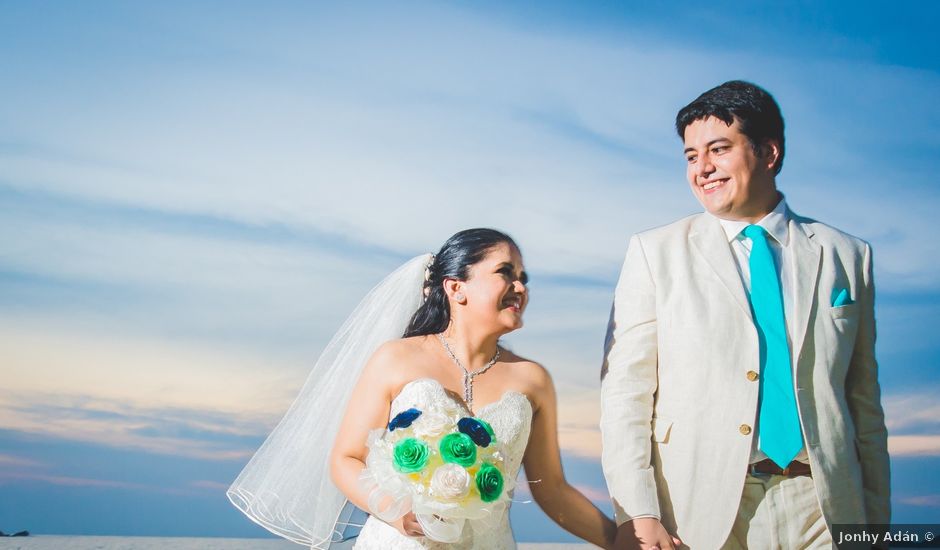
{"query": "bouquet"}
pixel 444 466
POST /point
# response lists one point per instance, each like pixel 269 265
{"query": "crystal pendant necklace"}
pixel 467 375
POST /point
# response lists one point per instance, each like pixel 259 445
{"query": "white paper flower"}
pixel 450 481
pixel 432 424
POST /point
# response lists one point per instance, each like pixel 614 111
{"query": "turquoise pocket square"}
pixel 842 298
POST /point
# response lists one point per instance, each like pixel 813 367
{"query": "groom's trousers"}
pixel 778 513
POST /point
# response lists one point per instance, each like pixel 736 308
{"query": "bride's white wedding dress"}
pixel 511 419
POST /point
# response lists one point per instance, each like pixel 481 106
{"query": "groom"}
pixel 740 397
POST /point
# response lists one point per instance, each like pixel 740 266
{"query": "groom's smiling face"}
pixel 727 175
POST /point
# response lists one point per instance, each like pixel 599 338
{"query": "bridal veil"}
pixel 286 487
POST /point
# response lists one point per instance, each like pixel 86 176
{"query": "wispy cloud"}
pixel 7 478
pixel 914 445
pixel 213 486
pixel 179 424
pixel 928 501
pixel 53 471
pixel 175 432
pixel 12 461
pixel 579 421
pixel 913 421
pixel 583 158
pixel 912 411
pixel 159 397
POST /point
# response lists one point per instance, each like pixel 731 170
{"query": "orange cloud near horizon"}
pixel 159 396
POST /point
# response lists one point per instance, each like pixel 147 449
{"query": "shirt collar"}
pixel 776 223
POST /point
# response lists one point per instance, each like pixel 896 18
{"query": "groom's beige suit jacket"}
pixel 679 408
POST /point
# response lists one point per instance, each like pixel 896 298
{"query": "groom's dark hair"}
pixel 453 261
pixel 752 106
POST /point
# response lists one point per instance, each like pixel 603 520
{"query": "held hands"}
pixel 645 534
pixel 408 525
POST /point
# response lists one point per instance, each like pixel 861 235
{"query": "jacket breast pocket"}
pixel 841 331
pixel 847 311
pixel 662 428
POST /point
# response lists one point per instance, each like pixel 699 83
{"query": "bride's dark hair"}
pixel 453 261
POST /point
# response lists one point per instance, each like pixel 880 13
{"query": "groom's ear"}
pixel 770 153
pixel 454 290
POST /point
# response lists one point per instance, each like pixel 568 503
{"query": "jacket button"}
pixel 745 429
pixel 751 375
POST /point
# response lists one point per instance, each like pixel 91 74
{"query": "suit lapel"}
pixel 711 243
pixel 806 257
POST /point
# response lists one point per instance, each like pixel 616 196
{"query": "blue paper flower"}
pixel 479 431
pixel 403 419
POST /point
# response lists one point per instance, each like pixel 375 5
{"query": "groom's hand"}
pixel 645 534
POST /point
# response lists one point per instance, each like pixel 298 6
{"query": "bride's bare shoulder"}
pixel 401 348
pixel 531 375
pixel 397 360
pixel 525 366
pixel 531 372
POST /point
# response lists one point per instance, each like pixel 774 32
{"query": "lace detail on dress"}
pixel 511 420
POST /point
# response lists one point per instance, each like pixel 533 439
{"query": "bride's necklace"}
pixel 467 375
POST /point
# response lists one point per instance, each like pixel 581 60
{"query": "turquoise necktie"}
pixel 779 422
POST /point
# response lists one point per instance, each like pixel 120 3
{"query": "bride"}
pixel 452 309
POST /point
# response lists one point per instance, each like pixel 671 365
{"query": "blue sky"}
pixel 193 196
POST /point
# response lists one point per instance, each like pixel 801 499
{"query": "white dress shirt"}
pixel 777 225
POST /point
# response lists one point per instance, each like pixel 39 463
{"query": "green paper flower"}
pixel 411 455
pixel 459 449
pixel 489 482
